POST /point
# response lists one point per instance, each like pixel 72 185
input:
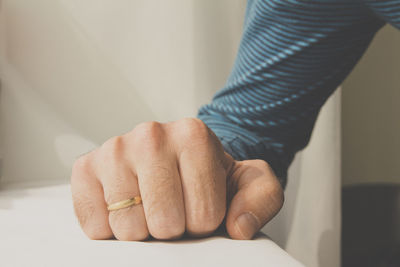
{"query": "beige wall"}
pixel 72 78
pixel 370 114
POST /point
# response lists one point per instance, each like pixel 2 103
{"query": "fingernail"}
pixel 247 225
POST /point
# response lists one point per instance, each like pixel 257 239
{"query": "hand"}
pixel 186 182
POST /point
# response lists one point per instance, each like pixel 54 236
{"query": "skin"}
pixel 187 182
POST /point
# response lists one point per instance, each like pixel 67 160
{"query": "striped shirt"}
pixel 292 56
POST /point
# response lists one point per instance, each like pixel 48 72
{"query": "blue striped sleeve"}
pixel 387 10
pixel 292 56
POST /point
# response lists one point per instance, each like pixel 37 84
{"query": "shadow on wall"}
pixel 370 113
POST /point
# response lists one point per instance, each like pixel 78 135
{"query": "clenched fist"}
pixel 185 179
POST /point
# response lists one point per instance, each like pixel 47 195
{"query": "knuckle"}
pixel 112 148
pixel 194 126
pixel 81 169
pixel 148 136
pixel 147 129
pixel 81 164
pixel 193 129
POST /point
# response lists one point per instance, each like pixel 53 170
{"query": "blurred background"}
pixel 371 155
pixel 370 114
pixel 74 73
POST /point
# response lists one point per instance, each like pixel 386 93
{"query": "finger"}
pixel 159 183
pixel 88 199
pixel 161 191
pixel 204 192
pixel 257 200
pixel 203 178
pixel 120 183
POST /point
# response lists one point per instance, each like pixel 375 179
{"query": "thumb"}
pixel 257 198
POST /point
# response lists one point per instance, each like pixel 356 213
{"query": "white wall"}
pixel 370 114
pixel 76 73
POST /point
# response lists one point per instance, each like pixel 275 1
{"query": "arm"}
pixel 290 60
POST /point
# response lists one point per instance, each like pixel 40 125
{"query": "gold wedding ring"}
pixel 125 203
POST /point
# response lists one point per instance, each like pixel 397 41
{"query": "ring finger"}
pixel 120 183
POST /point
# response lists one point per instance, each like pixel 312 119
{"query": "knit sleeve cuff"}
pixel 242 144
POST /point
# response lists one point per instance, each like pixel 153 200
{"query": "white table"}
pixel 38 228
